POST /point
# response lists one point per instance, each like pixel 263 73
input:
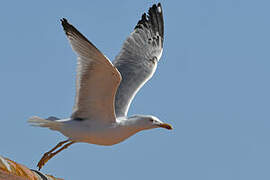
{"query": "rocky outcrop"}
pixel 10 170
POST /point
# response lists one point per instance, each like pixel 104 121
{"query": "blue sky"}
pixel 212 84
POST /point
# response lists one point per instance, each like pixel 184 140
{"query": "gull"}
pixel 105 90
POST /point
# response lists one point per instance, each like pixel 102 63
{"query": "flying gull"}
pixel 104 90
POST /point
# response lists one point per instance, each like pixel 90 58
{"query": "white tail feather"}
pixel 37 121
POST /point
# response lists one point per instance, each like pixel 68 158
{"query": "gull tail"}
pixel 48 123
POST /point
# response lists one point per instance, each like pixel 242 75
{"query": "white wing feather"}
pixel 96 82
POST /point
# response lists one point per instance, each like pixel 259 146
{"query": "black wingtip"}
pixel 67 27
pixel 153 20
pixel 159 8
pixel 70 30
pixel 64 23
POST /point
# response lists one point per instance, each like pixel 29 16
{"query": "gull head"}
pixel 148 122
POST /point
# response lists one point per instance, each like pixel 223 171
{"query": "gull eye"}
pixel 151 120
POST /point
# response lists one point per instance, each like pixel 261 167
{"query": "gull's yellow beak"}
pixel 166 126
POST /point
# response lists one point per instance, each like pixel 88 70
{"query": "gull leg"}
pixel 48 155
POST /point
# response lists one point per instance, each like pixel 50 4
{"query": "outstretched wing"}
pixel 138 58
pixel 97 79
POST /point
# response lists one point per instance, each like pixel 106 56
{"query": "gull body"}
pixel 106 134
pixel 105 90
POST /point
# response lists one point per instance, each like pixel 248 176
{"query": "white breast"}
pixel 106 135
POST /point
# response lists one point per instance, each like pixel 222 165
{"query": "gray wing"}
pixel 96 82
pixel 138 58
